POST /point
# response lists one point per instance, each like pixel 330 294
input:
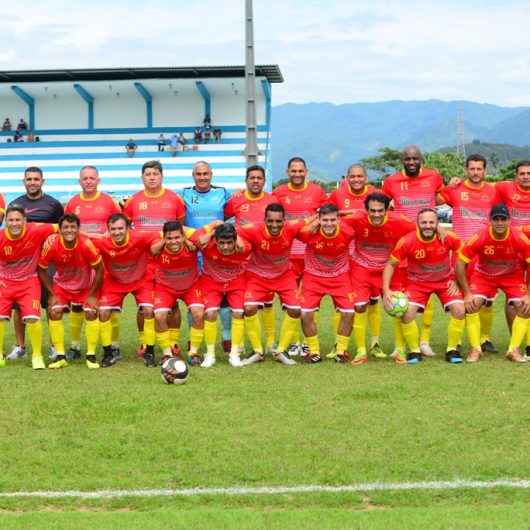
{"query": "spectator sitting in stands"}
pixel 197 135
pixel 37 138
pixel 30 137
pixel 217 134
pixel 207 135
pixel 22 125
pixel 18 136
pixel 174 145
pixel 207 122
pixel 183 142
pixel 7 125
pixel 161 142
pixel 131 147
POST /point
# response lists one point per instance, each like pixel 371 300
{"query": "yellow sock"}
pixel 455 329
pixel 76 323
pixel 399 339
pixel 342 344
pixel 238 334
pixel 2 336
pixel 374 321
pixel 149 331
pixel 313 344
pixel 288 332
pixel 269 321
pixel 174 335
pixel 164 341
pixel 105 330
pixel 56 329
pixel 519 327
pixel 35 337
pixel 196 336
pixel 115 323
pixel 428 316
pixel 486 321
pixel 359 332
pixel 92 336
pixel 253 327
pixel 473 330
pixel 210 335
pixel 411 335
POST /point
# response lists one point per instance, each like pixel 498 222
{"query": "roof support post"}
pixel 203 91
pixel 89 101
pixel 30 102
pixel 148 102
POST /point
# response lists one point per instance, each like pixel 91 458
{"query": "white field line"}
pixel 273 490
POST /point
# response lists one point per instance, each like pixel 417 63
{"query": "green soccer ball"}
pixel 400 304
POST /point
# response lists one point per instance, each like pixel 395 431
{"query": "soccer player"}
pixel 500 253
pixel 126 256
pixel 376 234
pixel 20 245
pixel 327 271
pixel 429 271
pixel 2 208
pixel 76 282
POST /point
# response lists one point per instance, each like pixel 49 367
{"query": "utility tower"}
pixel 251 148
pixel 460 135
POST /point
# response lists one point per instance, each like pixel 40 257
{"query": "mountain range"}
pixel 331 137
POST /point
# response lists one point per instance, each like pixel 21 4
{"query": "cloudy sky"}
pixel 337 51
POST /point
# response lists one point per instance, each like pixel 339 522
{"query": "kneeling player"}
pixel 429 271
pixel 500 253
pixel 75 284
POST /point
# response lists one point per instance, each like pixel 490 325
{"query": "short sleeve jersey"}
pixel 202 208
pixel 270 254
pixel 427 261
pixel 412 194
pixel 299 204
pixel 176 270
pixel 471 206
pixel 223 268
pixel 246 209
pixel 497 257
pixel 19 257
pixel 347 201
pixel 516 199
pixel 94 212
pixel 150 212
pixel 74 267
pixel 45 209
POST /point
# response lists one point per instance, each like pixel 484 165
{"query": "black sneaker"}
pixel 73 353
pixel 453 357
pixel 149 356
pixel 116 352
pixel 108 357
pixel 414 358
pixel 195 360
pixel 487 346
pixel 527 352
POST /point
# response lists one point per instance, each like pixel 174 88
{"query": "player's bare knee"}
pixel 251 310
pixel 361 308
pixel 293 312
pixel 211 316
pixel 458 311
pixel 104 315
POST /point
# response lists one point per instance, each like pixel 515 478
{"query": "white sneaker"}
pixel 426 350
pixel 16 353
pixel 209 360
pixel 254 358
pixel 284 359
pixel 235 361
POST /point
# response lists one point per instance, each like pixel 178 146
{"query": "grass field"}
pixel 268 425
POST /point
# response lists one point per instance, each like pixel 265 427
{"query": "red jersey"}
pixel 2 205
pixel 497 257
pixel 427 261
pixel 374 243
pixel 516 199
pixel 127 263
pixel 93 213
pixel 270 254
pixel 347 201
pixel 176 270
pixel 19 257
pixel 327 256
pixel 149 213
pixel 247 209
pixel 74 267
pixel 300 204
pixel 471 206
pixel 412 194
pixel 221 268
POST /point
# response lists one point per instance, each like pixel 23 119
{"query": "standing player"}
pixel 500 253
pixel 76 282
pixel 429 271
pixel 20 246
pixel 2 208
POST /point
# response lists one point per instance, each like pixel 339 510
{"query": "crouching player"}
pixel 429 271
pixel 327 271
pixel 74 287
pixel 500 253
pixel 20 246
pixel 176 273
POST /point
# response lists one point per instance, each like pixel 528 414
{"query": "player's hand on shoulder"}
pixel 454 181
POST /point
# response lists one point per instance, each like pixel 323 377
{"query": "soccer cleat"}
pixel 73 353
pixel 235 361
pixel 426 350
pixel 453 357
pixel 312 358
pixel 399 357
pixel 293 350
pixel 527 353
pixel 209 360
pixel 194 360
pixel 254 358
pixel 304 349
pixel 377 352
pixel 473 355
pixel 115 351
pixel 333 353
pixel 284 358
pixel 176 351
pixel 141 350
pixel 59 362
pixel 91 362
pixel 227 346
pixel 342 358
pixel 52 353
pixel 488 347
pixel 18 352
pixel 149 356
pixel 37 363
pixel 360 358
pixel 108 359
pixel 515 356
pixel 2 360
pixel 414 358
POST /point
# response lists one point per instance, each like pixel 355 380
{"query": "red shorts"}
pixel 113 293
pixel 65 298
pixel 297 266
pixel 419 293
pixel 213 292
pixel 513 286
pixel 25 294
pixel 260 290
pixel 166 298
pixel 314 288
pixel 368 283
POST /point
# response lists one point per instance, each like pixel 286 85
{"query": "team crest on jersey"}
pixel 112 253
pixel 245 207
pixel 142 205
pixel 77 210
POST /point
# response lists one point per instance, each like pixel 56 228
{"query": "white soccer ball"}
pixel 400 304
pixel 174 371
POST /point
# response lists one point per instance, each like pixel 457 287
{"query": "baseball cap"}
pixel 499 210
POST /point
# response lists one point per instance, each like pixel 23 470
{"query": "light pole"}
pixel 251 148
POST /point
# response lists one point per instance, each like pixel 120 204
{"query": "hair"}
pixel 152 164
pixel 378 197
pixel 117 217
pixel 255 168
pixel 225 231
pixel 296 159
pixel 172 226
pixel 424 210
pixel 200 163
pixel 33 169
pixel 16 208
pixel 71 218
pixel 356 165
pixel 89 167
pixel 475 157
pixel 328 208
pixel 522 163
pixel 275 207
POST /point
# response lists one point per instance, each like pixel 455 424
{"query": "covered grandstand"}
pixel 87 117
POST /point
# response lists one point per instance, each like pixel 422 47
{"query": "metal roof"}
pixel 270 71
